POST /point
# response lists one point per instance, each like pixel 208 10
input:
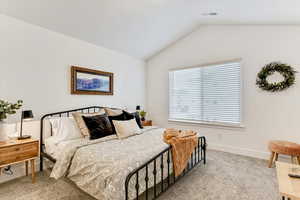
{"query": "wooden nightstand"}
pixel 147 123
pixel 15 151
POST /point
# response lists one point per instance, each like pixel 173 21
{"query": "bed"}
pixel 108 168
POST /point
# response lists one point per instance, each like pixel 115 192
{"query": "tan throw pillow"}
pixel 81 124
pixel 126 128
pixel 113 112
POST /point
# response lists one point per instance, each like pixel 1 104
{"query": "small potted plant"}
pixel 7 108
pixel 143 115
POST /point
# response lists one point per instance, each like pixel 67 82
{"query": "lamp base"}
pixel 23 137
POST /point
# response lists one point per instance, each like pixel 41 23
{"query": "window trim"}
pixel 209 123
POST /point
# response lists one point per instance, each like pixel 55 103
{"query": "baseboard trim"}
pixel 239 151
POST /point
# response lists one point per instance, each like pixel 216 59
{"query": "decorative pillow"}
pixel 81 124
pixel 64 128
pixel 135 115
pixel 126 128
pixel 120 117
pixel 47 128
pixel 99 126
pixel 113 112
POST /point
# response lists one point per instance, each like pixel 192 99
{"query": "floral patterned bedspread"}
pixel 101 167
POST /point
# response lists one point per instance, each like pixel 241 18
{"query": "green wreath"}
pixel 285 70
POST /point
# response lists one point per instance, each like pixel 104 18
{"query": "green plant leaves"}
pixel 9 108
pixel 143 113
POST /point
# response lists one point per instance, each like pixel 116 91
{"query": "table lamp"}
pixel 26 115
pixel 138 108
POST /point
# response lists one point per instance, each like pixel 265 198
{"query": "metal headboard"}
pixel 91 109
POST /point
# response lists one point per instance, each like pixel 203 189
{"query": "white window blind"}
pixel 206 94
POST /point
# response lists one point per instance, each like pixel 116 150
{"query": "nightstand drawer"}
pixel 18 153
pixel 147 123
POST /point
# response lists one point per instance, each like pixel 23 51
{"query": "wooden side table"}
pixel 147 123
pixel 286 148
pixel 289 188
pixel 15 151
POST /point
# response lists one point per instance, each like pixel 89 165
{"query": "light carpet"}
pixel 225 177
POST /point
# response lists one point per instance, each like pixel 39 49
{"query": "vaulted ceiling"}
pixel 141 28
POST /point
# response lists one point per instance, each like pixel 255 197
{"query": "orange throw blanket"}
pixel 183 144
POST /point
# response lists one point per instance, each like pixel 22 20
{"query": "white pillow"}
pixel 64 128
pixel 126 128
pixel 113 112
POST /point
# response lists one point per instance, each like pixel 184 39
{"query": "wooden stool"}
pixel 283 147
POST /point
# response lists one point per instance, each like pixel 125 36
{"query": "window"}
pixel 210 94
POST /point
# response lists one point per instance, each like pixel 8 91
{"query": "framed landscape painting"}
pixel 89 81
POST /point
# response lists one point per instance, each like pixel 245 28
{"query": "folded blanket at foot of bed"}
pixel 183 144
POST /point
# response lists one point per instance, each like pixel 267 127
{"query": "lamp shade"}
pixel 138 107
pixel 27 114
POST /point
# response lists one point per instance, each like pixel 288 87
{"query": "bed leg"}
pixel 41 163
pixel 204 150
pixel 204 158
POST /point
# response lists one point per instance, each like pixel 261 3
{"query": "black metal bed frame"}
pixel 160 186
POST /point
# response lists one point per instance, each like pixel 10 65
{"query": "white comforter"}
pixel 100 167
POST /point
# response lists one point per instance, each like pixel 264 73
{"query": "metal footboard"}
pixel 162 183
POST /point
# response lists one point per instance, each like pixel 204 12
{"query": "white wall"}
pixel 267 116
pixel 35 67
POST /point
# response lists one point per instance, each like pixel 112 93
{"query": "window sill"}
pixel 211 124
